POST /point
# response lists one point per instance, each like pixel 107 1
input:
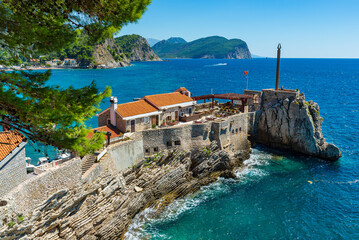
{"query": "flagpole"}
pixel 247 82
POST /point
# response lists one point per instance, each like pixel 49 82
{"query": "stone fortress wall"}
pixel 13 169
pixel 35 190
pixel 230 134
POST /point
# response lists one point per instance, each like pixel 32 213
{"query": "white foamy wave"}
pixel 149 217
pixel 143 225
pixel 251 169
pixel 216 65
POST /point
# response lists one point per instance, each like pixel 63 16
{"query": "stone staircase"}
pixel 87 162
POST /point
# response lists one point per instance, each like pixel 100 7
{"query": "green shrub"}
pixel 11 224
pixel 207 150
pixel 20 218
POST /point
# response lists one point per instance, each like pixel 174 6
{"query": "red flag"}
pixel 246 72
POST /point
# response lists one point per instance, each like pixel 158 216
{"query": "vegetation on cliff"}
pixel 110 52
pixel 209 47
pixel 30 28
pixel 136 48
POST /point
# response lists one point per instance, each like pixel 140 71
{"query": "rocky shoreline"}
pixel 105 207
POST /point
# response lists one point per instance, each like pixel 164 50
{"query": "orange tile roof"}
pixel 135 108
pixel 9 140
pixel 115 132
pixel 166 99
pixel 181 89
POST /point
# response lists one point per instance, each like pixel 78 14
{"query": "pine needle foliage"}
pixel 29 28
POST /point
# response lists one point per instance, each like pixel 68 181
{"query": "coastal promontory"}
pixel 136 48
pixel 214 47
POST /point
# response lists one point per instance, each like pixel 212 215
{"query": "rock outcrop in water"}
pixel 104 208
pixel 287 121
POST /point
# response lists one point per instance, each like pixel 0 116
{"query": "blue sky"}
pixel 305 28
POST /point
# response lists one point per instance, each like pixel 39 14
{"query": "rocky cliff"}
pixel 136 48
pixel 286 120
pixel 104 208
pixel 110 55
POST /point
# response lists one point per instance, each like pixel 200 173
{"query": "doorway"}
pixel 133 125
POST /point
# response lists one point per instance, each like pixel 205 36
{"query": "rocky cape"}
pixel 104 208
pixel 120 52
pixel 209 47
pixel 287 121
pixel 136 48
pixel 105 54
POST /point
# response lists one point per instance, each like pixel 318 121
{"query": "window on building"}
pixel 182 114
pixel 146 120
pixel 190 110
pixel 108 121
pixel 155 149
pixel 178 142
pixel 169 118
pixel 147 150
pixel 169 144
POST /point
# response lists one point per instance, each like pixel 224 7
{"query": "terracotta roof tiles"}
pixel 9 140
pixel 115 132
pixel 135 108
pixel 181 89
pixel 167 99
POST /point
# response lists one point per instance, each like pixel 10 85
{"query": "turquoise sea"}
pixel 278 195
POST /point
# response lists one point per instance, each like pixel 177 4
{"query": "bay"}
pixel 273 197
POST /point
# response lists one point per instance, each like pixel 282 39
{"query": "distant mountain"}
pixel 136 48
pixel 209 47
pixel 152 41
pixel 175 40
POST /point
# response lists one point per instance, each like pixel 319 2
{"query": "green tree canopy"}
pixel 30 28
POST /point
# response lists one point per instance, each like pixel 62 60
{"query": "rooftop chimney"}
pixel 113 107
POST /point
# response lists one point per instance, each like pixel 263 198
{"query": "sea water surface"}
pixel 278 195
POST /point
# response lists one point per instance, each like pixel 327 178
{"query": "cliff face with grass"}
pixel 209 47
pixel 136 48
pixel 287 121
pixel 119 52
pixel 110 55
pixel 104 208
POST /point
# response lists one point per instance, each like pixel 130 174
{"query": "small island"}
pixel 214 47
